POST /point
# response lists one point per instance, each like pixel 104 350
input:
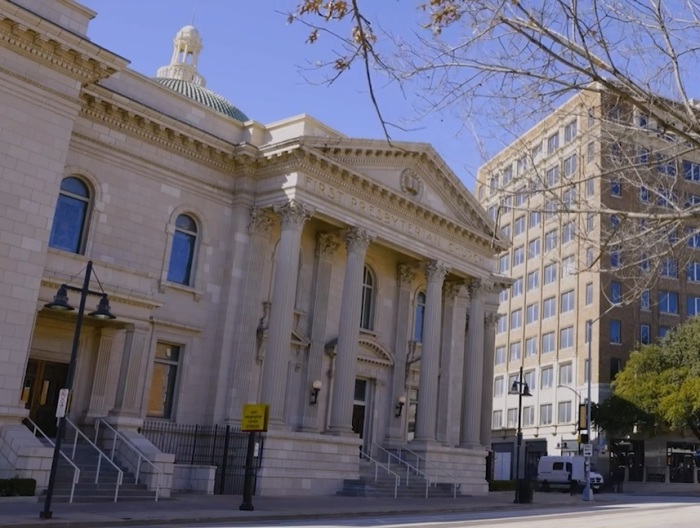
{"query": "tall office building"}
pixel 580 197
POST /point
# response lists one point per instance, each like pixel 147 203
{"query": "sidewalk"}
pixel 188 509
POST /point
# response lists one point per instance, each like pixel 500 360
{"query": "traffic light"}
pixel 584 438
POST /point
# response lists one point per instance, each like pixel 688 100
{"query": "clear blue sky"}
pixel 255 59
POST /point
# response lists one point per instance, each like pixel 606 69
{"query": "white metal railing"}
pixel 141 457
pixel 437 469
pixel 404 463
pixel 101 455
pixel 377 465
pixel 76 469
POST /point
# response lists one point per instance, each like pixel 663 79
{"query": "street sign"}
pixel 588 450
pixel 63 396
pixel 255 417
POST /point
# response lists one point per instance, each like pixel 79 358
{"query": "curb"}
pixel 261 516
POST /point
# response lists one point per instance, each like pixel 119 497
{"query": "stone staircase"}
pixel 383 486
pixel 86 490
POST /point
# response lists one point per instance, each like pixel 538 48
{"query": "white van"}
pixel 559 471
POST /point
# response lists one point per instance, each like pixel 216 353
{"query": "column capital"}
pixel 450 289
pixel 358 239
pixel 260 221
pixel 435 270
pixel 293 214
pixel 326 245
pixel 405 273
pixel 491 319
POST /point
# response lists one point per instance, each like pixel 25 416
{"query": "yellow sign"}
pixel 255 417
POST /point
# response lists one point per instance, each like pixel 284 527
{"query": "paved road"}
pixel 657 512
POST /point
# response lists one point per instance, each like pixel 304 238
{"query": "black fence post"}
pixel 224 461
pixel 194 444
pixel 213 444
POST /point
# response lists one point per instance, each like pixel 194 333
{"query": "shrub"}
pixel 502 485
pixel 17 487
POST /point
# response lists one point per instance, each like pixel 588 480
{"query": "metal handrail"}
pixel 120 473
pixel 76 469
pixel 378 465
pixel 409 467
pixel 434 466
pixel 141 456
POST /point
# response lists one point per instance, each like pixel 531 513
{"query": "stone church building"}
pixel 348 283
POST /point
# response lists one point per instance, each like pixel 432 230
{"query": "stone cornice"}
pixel 53 46
pixel 130 117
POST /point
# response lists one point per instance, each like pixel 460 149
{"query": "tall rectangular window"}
pixel 645 300
pixel 567 302
pixel 668 302
pixel 552 176
pixel 616 332
pixel 498 386
pixel 590 152
pixel 497 421
pixel 500 354
pixel 531 347
pixel 516 319
pixel 615 292
pixel 547 378
pixel 535 218
pixel 504 263
pixel 546 414
pixel 568 266
pixel 566 374
pixel 568 231
pixel 515 351
pixel 644 334
pixel 533 280
pixel 551 239
pixel 549 343
pixel 533 248
pixel 691 171
pixel 533 311
pixel 518 256
pixel 517 287
pixel 550 273
pixel 564 412
pixel 512 421
pixel 549 308
pixel 589 294
pixel 161 396
pixel 566 337
pixel 692 305
pixel 570 166
pixel 552 143
pixel 519 226
pixel 528 416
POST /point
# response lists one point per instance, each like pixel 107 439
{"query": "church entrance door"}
pixel 42 382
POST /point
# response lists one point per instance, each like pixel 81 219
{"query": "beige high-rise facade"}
pixel 571 195
pixel 329 277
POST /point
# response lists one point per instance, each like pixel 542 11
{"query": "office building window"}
pixel 528 416
pixel 616 332
pixel 566 337
pixel 533 248
pixel 668 302
pixel 535 218
pixel 498 386
pixel 589 294
pixel 615 367
pixel 547 378
pixel 552 176
pixel 590 152
pixel 570 166
pixel 669 268
pixel 531 347
pixel 570 131
pixel 497 422
pixel 517 287
pixel 161 398
pixel 512 422
pixel 552 143
pixel 549 343
pixel 567 232
pixel 644 334
pixel 691 171
pixel 568 266
pixel 529 378
pixel 533 280
pixel 515 351
pixel 502 296
pixel 567 302
pixel 546 414
pixel 566 374
pixel 551 238
pixel 518 256
pixel 516 319
pixel 615 188
pixel 519 226
pixel 615 292
pixel 502 325
pixel 549 308
pixel 504 263
pixel 564 412
pixel 692 305
pixel 645 300
pixel 550 273
pixel 500 355
pixel 533 311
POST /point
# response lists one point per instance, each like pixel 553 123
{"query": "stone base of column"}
pixel 12 414
pixel 340 431
pixel 450 465
pixel 124 421
pixel 472 445
pixel 307 464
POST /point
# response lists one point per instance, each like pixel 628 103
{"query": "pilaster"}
pixel 490 321
pixel 405 275
pixel 326 247
pixel 99 406
pixel 129 399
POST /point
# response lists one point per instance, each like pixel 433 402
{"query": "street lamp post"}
pixel 587 490
pixel 60 303
pixel 522 389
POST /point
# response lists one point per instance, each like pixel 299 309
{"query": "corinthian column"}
pixel 486 390
pixel 435 272
pixel 473 368
pixel 293 214
pixel 357 240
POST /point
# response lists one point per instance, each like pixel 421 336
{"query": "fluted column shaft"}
pixel 245 340
pixel 357 240
pixel 132 373
pixel 487 388
pixel 98 395
pixel 274 380
pixel 435 272
pixel 326 246
pixel 473 369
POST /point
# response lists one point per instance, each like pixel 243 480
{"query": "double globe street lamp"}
pixel 60 303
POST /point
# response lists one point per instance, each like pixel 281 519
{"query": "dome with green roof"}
pixel 203 96
pixel 182 77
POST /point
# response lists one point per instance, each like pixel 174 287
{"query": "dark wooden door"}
pixel 42 383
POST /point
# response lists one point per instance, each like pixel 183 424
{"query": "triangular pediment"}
pixel 412 170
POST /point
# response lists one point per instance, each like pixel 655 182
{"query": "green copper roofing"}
pixel 203 96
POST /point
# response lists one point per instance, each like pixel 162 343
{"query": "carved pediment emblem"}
pixel 370 350
pixel 411 183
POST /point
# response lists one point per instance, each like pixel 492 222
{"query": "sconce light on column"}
pixel 316 388
pixel 399 406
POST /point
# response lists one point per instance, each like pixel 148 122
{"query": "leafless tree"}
pixel 624 69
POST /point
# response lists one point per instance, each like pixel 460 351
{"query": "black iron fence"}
pixel 222 446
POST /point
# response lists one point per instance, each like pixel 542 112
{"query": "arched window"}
pixel 69 221
pixel 418 318
pixel 183 250
pixel 367 315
